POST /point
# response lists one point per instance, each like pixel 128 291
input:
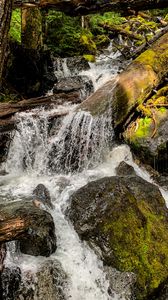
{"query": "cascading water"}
pixel 63 157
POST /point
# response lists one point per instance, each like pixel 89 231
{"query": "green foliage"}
pixel 66 37
pixel 110 18
pixel 63 34
pixel 15 26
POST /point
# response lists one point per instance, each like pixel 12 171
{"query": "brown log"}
pixel 133 86
pixel 5 16
pixel 84 7
pixel 7 110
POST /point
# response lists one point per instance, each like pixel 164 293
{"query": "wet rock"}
pixel 77 64
pixel 32 226
pixel 124 169
pixel 42 194
pixel 2 255
pixel 81 84
pixel 49 282
pixel 70 66
pixel 10 282
pixel 122 283
pixel 126 218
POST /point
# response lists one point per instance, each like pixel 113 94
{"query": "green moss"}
pixel 15 26
pixel 140 244
pixel 89 57
pixel 144 128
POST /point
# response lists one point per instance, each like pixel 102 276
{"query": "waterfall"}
pixel 64 155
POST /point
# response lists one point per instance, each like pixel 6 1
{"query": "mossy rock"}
pixel 126 218
pixel 148 136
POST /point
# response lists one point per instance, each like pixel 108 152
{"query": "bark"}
pixel 5 16
pixel 84 7
pixel 32 28
pixel 133 86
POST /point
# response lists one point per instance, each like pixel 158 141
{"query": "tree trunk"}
pixel 133 86
pixel 5 16
pixel 31 28
pixel 84 7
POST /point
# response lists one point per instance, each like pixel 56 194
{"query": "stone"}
pixel 42 194
pixel 122 283
pixel 126 218
pixel 124 169
pixel 33 227
pixel 49 282
pixel 78 83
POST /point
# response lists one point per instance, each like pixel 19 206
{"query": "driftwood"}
pixel 84 7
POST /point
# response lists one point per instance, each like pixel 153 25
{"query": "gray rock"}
pixel 81 84
pixel 33 227
pixel 122 283
pixel 124 169
pixel 126 218
pixel 42 194
pixel 49 283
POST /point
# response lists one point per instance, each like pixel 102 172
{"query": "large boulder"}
pixel 33 227
pixel 125 219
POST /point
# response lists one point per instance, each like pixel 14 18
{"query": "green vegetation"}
pixel 138 237
pixel 66 37
pixel 15 27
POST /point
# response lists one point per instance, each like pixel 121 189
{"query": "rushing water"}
pixel 64 157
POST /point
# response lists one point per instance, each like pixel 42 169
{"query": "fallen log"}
pixel 84 7
pixel 9 109
pixel 118 29
pixel 146 44
pixel 32 226
pixel 133 86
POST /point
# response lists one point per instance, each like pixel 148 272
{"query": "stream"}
pixel 76 150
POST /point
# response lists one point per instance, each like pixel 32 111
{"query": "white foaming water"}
pixel 103 69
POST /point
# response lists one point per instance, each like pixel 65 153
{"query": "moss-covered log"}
pixel 133 86
pixel 84 7
pixel 5 16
